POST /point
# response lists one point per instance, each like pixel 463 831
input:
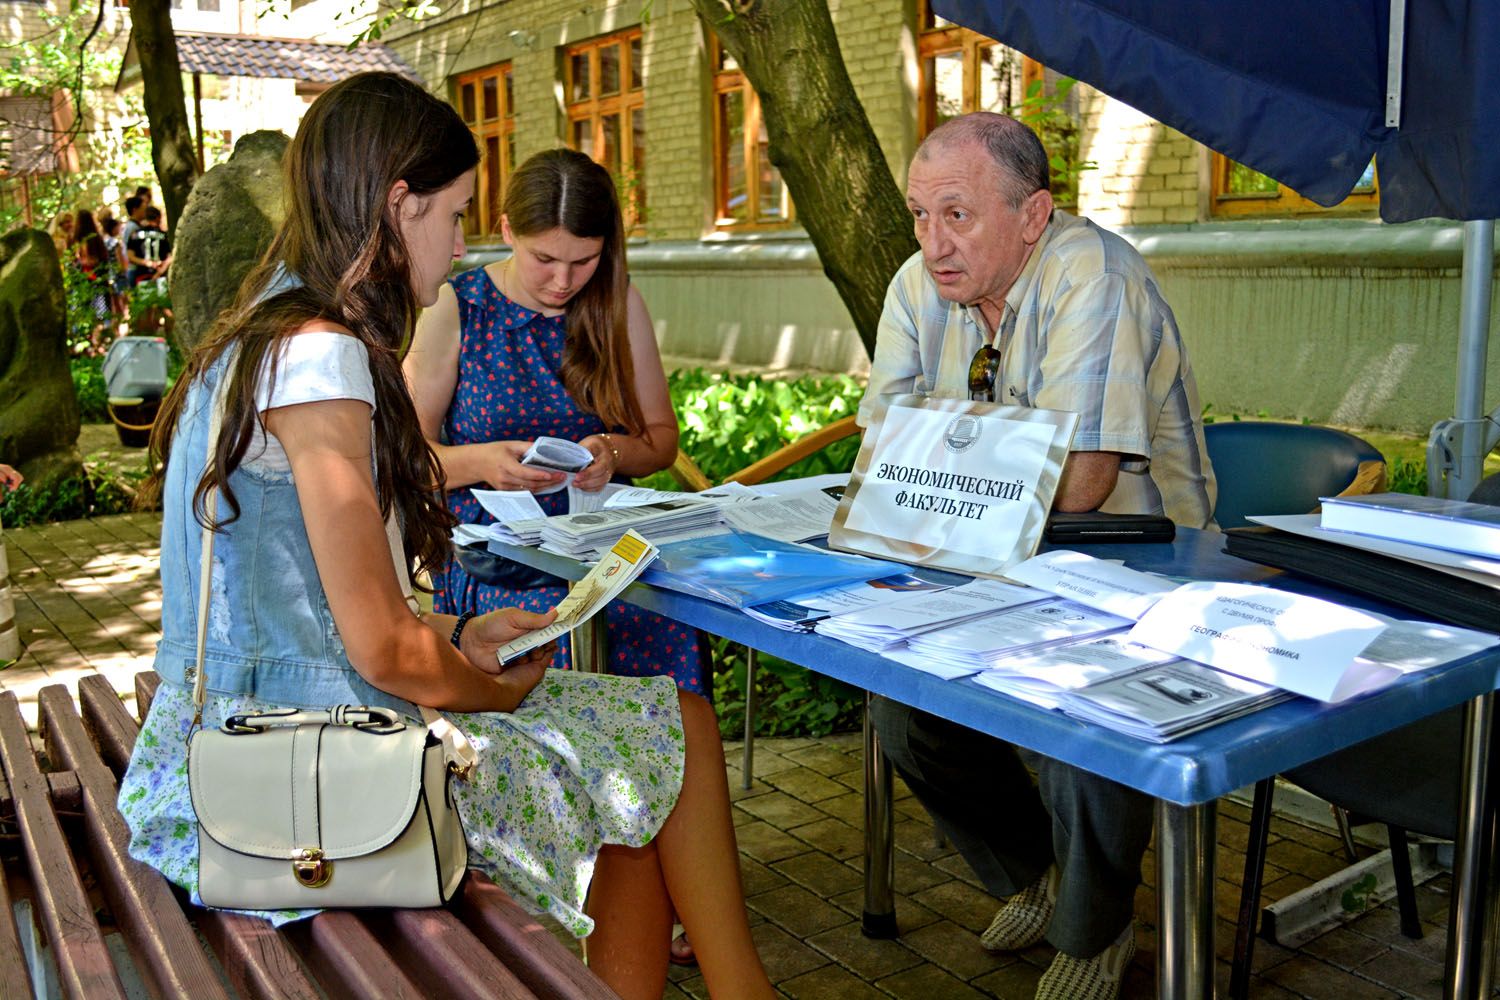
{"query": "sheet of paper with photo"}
pixel 955 484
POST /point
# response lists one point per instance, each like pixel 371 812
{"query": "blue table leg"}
pixel 880 842
pixel 1471 953
pixel 1185 839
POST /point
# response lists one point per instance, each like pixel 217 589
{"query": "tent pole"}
pixel 1456 449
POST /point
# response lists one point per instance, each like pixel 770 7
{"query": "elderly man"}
pixel 1074 320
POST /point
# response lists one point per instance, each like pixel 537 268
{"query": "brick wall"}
pixel 1146 172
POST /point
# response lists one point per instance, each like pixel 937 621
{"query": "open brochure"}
pixel 624 561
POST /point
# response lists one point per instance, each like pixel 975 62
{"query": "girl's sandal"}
pixel 680 952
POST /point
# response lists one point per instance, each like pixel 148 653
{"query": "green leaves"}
pixel 730 421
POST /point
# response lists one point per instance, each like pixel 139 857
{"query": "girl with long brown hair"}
pixel 600 800
pixel 554 341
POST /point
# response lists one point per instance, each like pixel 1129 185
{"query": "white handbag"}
pixel 309 809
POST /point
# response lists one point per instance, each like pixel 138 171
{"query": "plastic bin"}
pixel 136 367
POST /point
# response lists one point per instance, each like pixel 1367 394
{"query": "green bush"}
pixel 88 384
pixel 730 421
pixel 790 700
pixel 1406 476
pixel 97 493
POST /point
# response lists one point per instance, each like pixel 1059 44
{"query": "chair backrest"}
pixel 1270 468
pixel 690 477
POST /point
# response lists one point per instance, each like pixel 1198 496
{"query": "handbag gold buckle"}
pixel 311 869
pixel 461 771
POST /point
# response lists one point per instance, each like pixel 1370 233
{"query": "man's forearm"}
pixel 1088 480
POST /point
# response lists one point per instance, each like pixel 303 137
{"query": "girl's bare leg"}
pixel 701 864
pixel 632 921
pixel 694 859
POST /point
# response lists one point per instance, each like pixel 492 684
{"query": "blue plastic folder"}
pixel 740 569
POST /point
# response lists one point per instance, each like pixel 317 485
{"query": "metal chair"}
pixel 692 478
pixel 1407 779
pixel 1270 468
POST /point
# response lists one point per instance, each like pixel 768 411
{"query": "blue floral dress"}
pixel 510 389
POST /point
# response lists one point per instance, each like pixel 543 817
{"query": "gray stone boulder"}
pixel 38 406
pixel 228 222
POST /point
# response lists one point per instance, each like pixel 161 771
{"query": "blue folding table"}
pixel 1186 776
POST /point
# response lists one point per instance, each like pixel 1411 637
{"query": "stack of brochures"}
pixel 802 614
pixel 887 627
pixel 582 535
pixel 991 640
pixel 1046 677
pixel 1170 700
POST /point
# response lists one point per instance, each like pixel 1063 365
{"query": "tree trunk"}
pixel 172 149
pixel 822 142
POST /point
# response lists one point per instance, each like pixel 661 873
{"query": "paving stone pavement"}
pixel 88 601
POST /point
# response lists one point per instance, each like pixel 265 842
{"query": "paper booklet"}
pixel 790 517
pixel 624 561
pixel 884 627
pixel 1169 700
pixel 1100 584
pixel 1045 677
pixel 579 535
pixel 991 640
pixel 1445 524
pixel 801 614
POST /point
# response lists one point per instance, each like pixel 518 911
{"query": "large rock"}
pixel 38 406
pixel 229 220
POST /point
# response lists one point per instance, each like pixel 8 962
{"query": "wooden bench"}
pixel 62 823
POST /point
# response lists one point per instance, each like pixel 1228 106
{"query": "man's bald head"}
pixel 1013 147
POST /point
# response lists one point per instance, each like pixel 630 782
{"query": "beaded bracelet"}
pixel 610 440
pixel 458 626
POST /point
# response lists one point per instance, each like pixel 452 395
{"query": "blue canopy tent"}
pixel 1307 92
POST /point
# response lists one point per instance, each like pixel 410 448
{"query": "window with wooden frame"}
pixel 606 102
pixel 1240 192
pixel 748 190
pixel 964 71
pixel 486 101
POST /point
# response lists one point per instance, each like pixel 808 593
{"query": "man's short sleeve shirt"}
pixel 1085 329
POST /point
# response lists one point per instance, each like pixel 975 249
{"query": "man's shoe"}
pixel 1023 919
pixel 1097 978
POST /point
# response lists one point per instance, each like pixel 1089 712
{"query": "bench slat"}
pixel 260 963
pixel 541 961
pixel 15 981
pixel 442 955
pixel 85 971
pixel 348 960
pixel 108 722
pixel 162 942
pixel 146 683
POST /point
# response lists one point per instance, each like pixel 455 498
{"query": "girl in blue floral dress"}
pixel 553 341
pixel 598 799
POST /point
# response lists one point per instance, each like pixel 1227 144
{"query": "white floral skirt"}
pixel 587 759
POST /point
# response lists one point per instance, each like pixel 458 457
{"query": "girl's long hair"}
pixel 343 243
pixel 86 232
pixel 564 188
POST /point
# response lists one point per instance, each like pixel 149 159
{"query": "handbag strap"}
pixel 460 753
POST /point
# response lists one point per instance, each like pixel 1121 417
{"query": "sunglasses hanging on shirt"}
pixel 984 370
